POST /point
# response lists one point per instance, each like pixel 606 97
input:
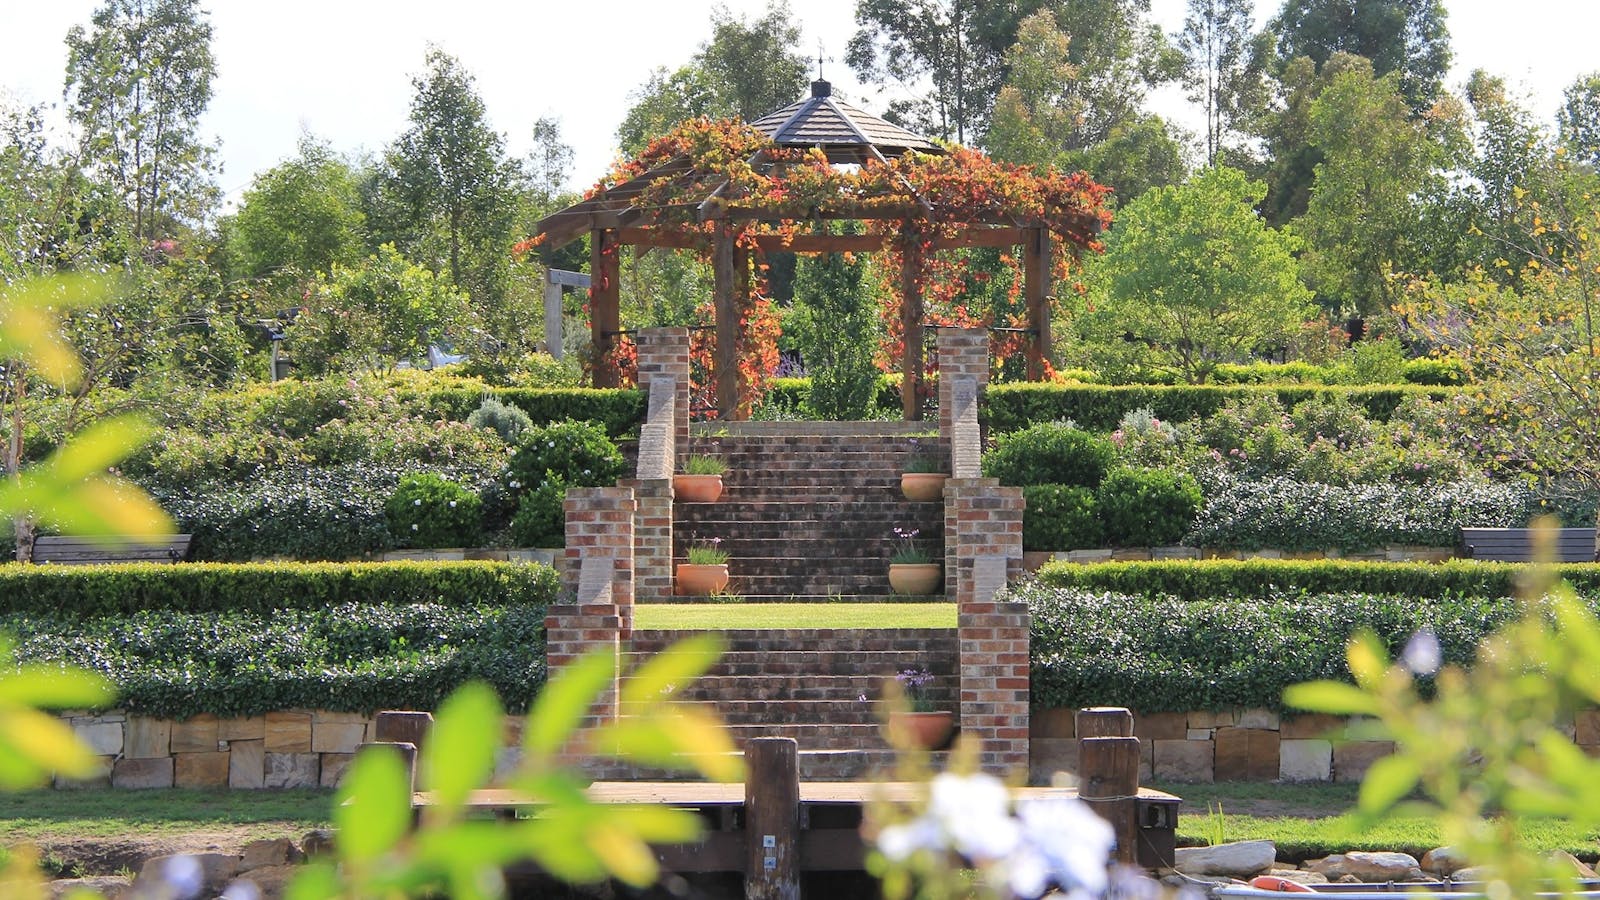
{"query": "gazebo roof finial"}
pixel 844 132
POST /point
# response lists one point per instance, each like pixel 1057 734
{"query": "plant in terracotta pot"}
pixel 912 569
pixel 706 571
pixel 922 481
pixel 921 723
pixel 701 479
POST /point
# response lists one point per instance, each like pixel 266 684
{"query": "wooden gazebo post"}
pixel 725 284
pixel 605 306
pixel 911 324
pixel 1036 288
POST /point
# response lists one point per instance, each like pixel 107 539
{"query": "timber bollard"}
pixel 408 756
pixel 402 727
pixel 1108 774
pixel 772 819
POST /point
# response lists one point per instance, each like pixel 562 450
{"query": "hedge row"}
pixel 1007 407
pixel 349 657
pixel 269 588
pixel 1164 654
pixel 792 393
pixel 619 410
pixel 1263 579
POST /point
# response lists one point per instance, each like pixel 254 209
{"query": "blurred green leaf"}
pixel 33 744
pixel 673 668
pixel 372 809
pixel 1367 659
pixel 72 490
pixel 460 753
pixel 679 739
pixel 565 700
pixel 1334 697
pixel 63 688
pixel 28 324
pixel 1388 781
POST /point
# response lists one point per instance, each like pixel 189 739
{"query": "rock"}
pixel 1367 867
pixel 269 852
pixel 270 882
pixel 1347 879
pixel 111 887
pixel 187 875
pixel 317 843
pixel 1300 876
pixel 1443 861
pixel 1472 873
pixel 1242 858
pixel 1578 865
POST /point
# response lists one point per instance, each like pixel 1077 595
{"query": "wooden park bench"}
pixel 82 551
pixel 1516 544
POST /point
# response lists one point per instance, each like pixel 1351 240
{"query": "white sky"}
pixel 342 68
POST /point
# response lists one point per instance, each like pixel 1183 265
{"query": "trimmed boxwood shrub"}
pixel 1147 507
pixel 1058 517
pixel 119 590
pixel 793 393
pixel 1282 513
pixel 428 511
pixel 618 410
pixel 1049 453
pixel 1163 654
pixel 353 657
pixel 1265 578
pixel 1008 407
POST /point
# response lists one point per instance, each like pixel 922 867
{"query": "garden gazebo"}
pixel 725 189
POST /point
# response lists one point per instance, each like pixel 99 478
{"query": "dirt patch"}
pixel 122 854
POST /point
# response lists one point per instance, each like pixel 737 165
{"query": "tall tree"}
pixel 447 193
pixel 1407 37
pixel 928 48
pixel 303 214
pixel 1362 218
pixel 1579 118
pixel 1226 71
pixel 136 85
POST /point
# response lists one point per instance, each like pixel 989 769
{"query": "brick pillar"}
pixel 663 442
pixel 983 538
pixel 963 354
pixel 664 352
pixel 598 580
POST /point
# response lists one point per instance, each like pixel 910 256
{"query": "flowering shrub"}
pixel 1058 517
pixel 428 511
pixel 541 519
pixel 914 684
pixel 548 460
pixel 1250 513
pixel 908 551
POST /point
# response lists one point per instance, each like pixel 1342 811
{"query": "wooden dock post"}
pixel 772 819
pixel 1108 771
pixel 393 726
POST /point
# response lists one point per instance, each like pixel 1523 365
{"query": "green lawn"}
pixel 730 616
pixel 1307 821
pixel 43 814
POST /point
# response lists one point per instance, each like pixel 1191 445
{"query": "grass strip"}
pixel 41 814
pixel 738 616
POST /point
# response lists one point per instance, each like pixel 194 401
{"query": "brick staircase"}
pixel 818 686
pixel 809 509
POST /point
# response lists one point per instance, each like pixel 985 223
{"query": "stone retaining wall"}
pixel 1034 559
pixel 1240 745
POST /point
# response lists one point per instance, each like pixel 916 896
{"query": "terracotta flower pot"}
pixel 928 730
pixel 915 579
pixel 923 487
pixel 696 488
pixel 700 581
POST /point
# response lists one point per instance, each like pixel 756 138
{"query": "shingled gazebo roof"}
pixel 846 134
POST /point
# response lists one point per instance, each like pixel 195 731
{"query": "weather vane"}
pixel 821 59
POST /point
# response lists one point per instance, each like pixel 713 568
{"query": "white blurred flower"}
pixel 452 504
pixel 1422 654
pixel 184 875
pixel 414 527
pixel 1064 842
pixel 898 842
pixel 974 810
pixel 242 890
pixel 417 502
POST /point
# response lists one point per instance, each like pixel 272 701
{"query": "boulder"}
pixel 186 875
pixel 269 852
pixel 1443 861
pixel 1239 859
pixel 270 882
pixel 317 842
pixel 1300 876
pixel 1367 867
pixel 1581 868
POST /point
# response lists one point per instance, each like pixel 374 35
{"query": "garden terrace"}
pixel 725 189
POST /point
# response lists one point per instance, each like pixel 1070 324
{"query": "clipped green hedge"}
pixel 791 393
pixel 619 410
pixel 263 588
pixel 1164 654
pixel 1261 579
pixel 348 657
pixel 1007 407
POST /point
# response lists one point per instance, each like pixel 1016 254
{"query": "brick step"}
pixel 865 568
pixel 763 712
pixel 740 544
pixel 823 662
pixel 757 599
pixel 866 483
pixel 724 431
pixel 814 765
pixel 791 687
pixel 755 458
pixel 760 640
pixel 819 538
pixel 784 506
pixel 872 585
pixel 815 736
